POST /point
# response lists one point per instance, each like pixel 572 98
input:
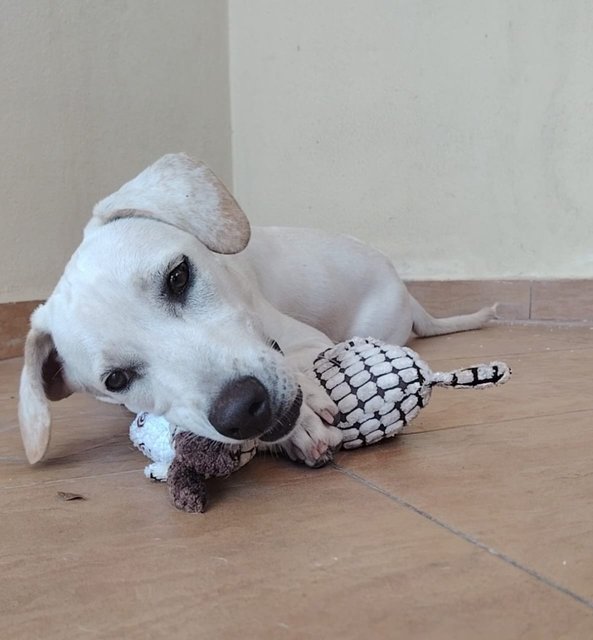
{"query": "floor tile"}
pixel 285 552
pixel 523 487
pixel 88 438
pixel 541 384
pixel 400 541
pixel 497 341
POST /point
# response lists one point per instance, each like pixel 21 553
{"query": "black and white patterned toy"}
pixel 380 388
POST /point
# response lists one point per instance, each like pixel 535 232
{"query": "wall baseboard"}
pixel 14 324
pixel 520 300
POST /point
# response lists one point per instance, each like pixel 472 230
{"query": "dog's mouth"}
pixel 286 422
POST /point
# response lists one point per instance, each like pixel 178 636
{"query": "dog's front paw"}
pixel 317 399
pixel 313 439
pixel 312 442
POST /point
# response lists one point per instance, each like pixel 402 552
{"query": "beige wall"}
pixel 457 136
pixel 92 92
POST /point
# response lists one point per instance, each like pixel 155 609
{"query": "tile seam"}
pixel 503 557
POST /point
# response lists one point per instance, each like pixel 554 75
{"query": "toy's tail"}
pixel 480 376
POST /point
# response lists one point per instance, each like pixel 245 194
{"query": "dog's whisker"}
pixel 58 373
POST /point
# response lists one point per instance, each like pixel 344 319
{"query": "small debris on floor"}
pixel 66 496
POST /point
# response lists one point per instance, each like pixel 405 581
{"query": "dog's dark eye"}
pixel 178 279
pixel 117 380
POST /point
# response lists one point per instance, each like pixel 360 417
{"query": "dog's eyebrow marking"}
pixel 176 262
pixel 154 279
pixel 112 361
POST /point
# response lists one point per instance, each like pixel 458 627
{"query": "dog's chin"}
pixel 283 427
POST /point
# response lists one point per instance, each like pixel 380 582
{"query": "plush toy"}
pixel 197 459
pixel 379 389
pixel 185 461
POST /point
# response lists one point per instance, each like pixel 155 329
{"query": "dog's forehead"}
pixel 121 255
pixel 105 281
pixel 128 245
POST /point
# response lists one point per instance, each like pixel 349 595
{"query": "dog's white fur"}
pixel 304 289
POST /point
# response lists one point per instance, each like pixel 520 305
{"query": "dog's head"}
pixel 148 315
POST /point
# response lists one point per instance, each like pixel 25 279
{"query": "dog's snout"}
pixel 242 410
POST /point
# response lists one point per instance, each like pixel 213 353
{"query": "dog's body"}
pixel 341 286
pixel 167 307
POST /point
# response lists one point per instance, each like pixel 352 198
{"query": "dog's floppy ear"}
pixel 41 380
pixel 186 194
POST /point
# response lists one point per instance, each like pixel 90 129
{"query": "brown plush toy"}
pixel 197 459
pixel 184 460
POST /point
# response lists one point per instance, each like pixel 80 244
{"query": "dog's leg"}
pixel 424 325
pixel 314 439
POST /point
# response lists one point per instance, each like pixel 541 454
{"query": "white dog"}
pixel 168 306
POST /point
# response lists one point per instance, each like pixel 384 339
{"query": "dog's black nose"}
pixel 242 410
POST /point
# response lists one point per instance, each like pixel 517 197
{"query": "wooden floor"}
pixel 477 523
